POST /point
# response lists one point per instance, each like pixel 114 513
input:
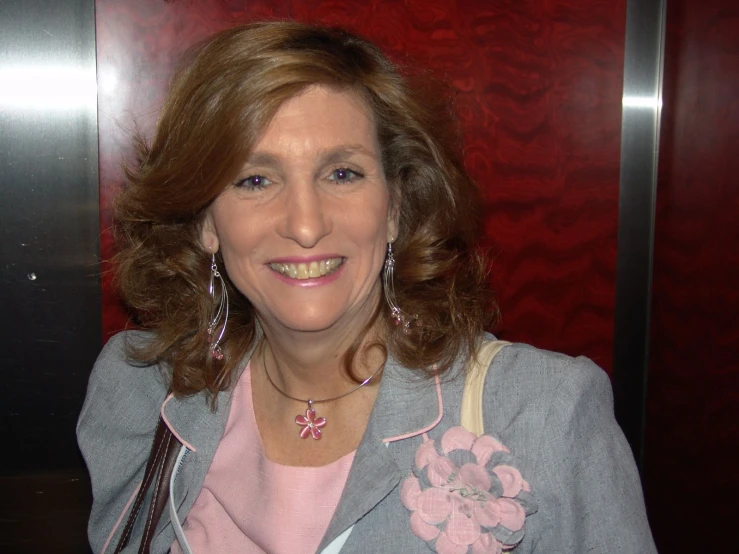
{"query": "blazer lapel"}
pixel 406 406
pixel 372 476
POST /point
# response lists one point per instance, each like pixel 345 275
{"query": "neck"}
pixel 310 364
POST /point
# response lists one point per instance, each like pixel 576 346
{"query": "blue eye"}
pixel 254 182
pixel 344 175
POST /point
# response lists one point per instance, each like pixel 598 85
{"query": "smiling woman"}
pixel 220 145
pixel 300 237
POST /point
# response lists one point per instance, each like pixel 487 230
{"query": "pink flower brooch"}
pixel 466 498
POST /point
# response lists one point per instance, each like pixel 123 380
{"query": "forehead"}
pixel 320 117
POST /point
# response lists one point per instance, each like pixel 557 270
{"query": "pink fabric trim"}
pixel 429 427
pixel 120 518
pixel 166 421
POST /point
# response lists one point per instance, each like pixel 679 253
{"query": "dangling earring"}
pixel 398 315
pixel 222 312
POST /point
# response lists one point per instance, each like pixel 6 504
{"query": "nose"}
pixel 306 219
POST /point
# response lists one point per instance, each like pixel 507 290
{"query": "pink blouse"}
pixel 249 504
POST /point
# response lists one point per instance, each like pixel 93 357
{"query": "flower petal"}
pixel 310 414
pixel 441 471
pixel 422 529
pixel 510 478
pixel 512 515
pixel 304 432
pixel 462 527
pixel 475 476
pixel 488 512
pixel 315 432
pixel 485 447
pixel 425 454
pixel 300 420
pixel 486 544
pixel 457 438
pixel 444 545
pixel 319 422
pixel 434 506
pixel 409 492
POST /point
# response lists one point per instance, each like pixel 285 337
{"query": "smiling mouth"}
pixel 311 270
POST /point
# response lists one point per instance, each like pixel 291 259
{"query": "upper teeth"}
pixel 310 270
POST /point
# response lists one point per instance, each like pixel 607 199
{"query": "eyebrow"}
pixel 342 152
pixel 338 154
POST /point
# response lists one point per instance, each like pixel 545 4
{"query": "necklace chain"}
pixel 309 401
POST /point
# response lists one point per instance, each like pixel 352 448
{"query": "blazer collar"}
pixel 407 405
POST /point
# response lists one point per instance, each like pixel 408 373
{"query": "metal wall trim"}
pixel 50 331
pixel 640 129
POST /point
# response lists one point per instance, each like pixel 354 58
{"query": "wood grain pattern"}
pixel 538 91
pixel 693 388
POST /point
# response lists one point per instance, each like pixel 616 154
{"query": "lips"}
pixel 308 270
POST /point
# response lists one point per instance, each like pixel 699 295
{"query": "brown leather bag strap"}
pixel 158 471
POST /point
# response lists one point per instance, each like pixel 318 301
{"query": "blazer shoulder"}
pixel 120 385
pixel 115 364
pixel 530 394
pixel 526 372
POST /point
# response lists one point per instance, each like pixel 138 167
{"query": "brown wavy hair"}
pixel 221 98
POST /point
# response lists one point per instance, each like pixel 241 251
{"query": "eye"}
pixel 254 182
pixel 344 175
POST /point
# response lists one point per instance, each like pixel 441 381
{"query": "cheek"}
pixel 238 236
pixel 234 224
pixel 370 218
pixel 371 230
pixel 370 234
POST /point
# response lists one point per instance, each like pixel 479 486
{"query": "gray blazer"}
pixel 553 412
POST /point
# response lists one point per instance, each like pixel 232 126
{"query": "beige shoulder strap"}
pixel 473 385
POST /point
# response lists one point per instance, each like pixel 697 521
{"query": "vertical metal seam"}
pixel 640 133
pixel 650 270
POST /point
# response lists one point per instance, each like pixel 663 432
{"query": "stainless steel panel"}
pixel 642 104
pixel 49 227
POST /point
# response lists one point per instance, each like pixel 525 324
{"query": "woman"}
pixel 299 243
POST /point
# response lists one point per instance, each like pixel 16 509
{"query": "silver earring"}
pixel 216 326
pixel 398 315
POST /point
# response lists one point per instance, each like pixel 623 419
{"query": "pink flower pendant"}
pixel 311 425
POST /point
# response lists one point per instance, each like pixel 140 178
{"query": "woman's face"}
pixel 304 231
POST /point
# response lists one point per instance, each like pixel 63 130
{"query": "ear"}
pixel 208 234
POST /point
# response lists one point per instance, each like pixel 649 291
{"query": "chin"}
pixel 303 319
pixel 308 325
pixel 322 312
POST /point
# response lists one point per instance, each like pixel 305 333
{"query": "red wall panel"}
pixel 691 478
pixel 538 89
